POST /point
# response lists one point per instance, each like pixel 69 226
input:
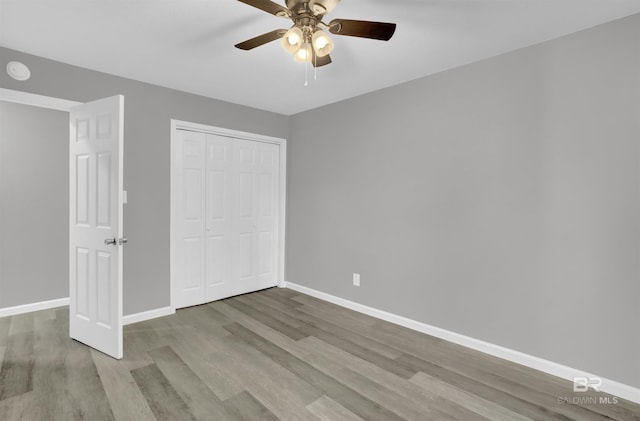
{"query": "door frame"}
pixel 282 199
pixel 52 103
pixel 35 100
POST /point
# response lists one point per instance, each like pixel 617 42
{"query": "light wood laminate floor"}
pixel 273 355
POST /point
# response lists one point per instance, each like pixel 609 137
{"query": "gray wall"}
pixel 34 204
pixel 499 200
pixel 148 110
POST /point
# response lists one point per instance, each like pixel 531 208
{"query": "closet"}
pixel 225 216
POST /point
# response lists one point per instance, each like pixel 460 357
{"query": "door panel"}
pixel 220 225
pixel 96 146
pixel 266 218
pixel 190 221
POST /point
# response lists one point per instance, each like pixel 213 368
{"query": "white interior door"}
pixel 95 237
pixel 225 215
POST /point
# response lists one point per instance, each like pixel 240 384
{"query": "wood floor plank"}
pixel 49 375
pixel 333 329
pixel 16 372
pixel 344 342
pixel 470 401
pixel 202 317
pixel 194 349
pixel 162 398
pixel 281 316
pixel 393 392
pixel 266 319
pixel 245 406
pixel 136 347
pixel 261 376
pixel 126 400
pixel 83 386
pixel 283 292
pixel 402 338
pixel 65 376
pixel 275 294
pixel 326 409
pixel 501 398
pixel 526 393
pixel 43 317
pixel 351 322
pixel 346 396
pixel 256 373
pixel 201 400
pixel 254 325
pixel 381 361
pixel 24 407
pixel 5 324
pixel 21 323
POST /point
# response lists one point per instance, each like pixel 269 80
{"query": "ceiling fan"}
pixel 306 39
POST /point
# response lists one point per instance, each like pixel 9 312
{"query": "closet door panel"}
pixel 244 260
pixel 190 246
pixel 220 223
pixel 267 218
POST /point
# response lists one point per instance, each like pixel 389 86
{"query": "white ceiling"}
pixel 189 44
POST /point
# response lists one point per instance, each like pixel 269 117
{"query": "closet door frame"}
pixel 175 201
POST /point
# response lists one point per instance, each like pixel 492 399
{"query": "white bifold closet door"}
pixel 227 217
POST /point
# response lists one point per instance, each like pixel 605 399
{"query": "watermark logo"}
pixel 583 384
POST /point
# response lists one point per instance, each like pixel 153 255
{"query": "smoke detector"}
pixel 18 71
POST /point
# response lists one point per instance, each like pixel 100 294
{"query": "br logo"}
pixel 582 384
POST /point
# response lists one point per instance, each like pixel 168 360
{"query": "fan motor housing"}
pixel 313 7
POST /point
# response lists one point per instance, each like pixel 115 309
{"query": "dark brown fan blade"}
pixel 261 39
pixel 361 28
pixel 321 61
pixel 269 7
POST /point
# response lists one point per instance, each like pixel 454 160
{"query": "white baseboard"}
pixel 27 308
pixel 147 315
pixel 44 305
pixel 609 386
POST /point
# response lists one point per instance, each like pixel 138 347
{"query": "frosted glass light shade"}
pixel 304 54
pixel 292 40
pixel 322 44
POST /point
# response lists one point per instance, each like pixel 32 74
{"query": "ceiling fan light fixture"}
pixel 308 39
pixel 292 40
pixel 322 43
pixel 304 53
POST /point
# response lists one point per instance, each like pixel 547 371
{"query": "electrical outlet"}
pixel 356 279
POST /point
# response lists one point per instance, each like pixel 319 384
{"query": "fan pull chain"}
pixel 315 67
pixel 306 81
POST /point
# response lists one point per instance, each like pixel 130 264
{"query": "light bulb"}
pixel 322 44
pixel 304 53
pixel 292 40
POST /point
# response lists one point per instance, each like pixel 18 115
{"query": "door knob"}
pixel 123 240
pixel 110 241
